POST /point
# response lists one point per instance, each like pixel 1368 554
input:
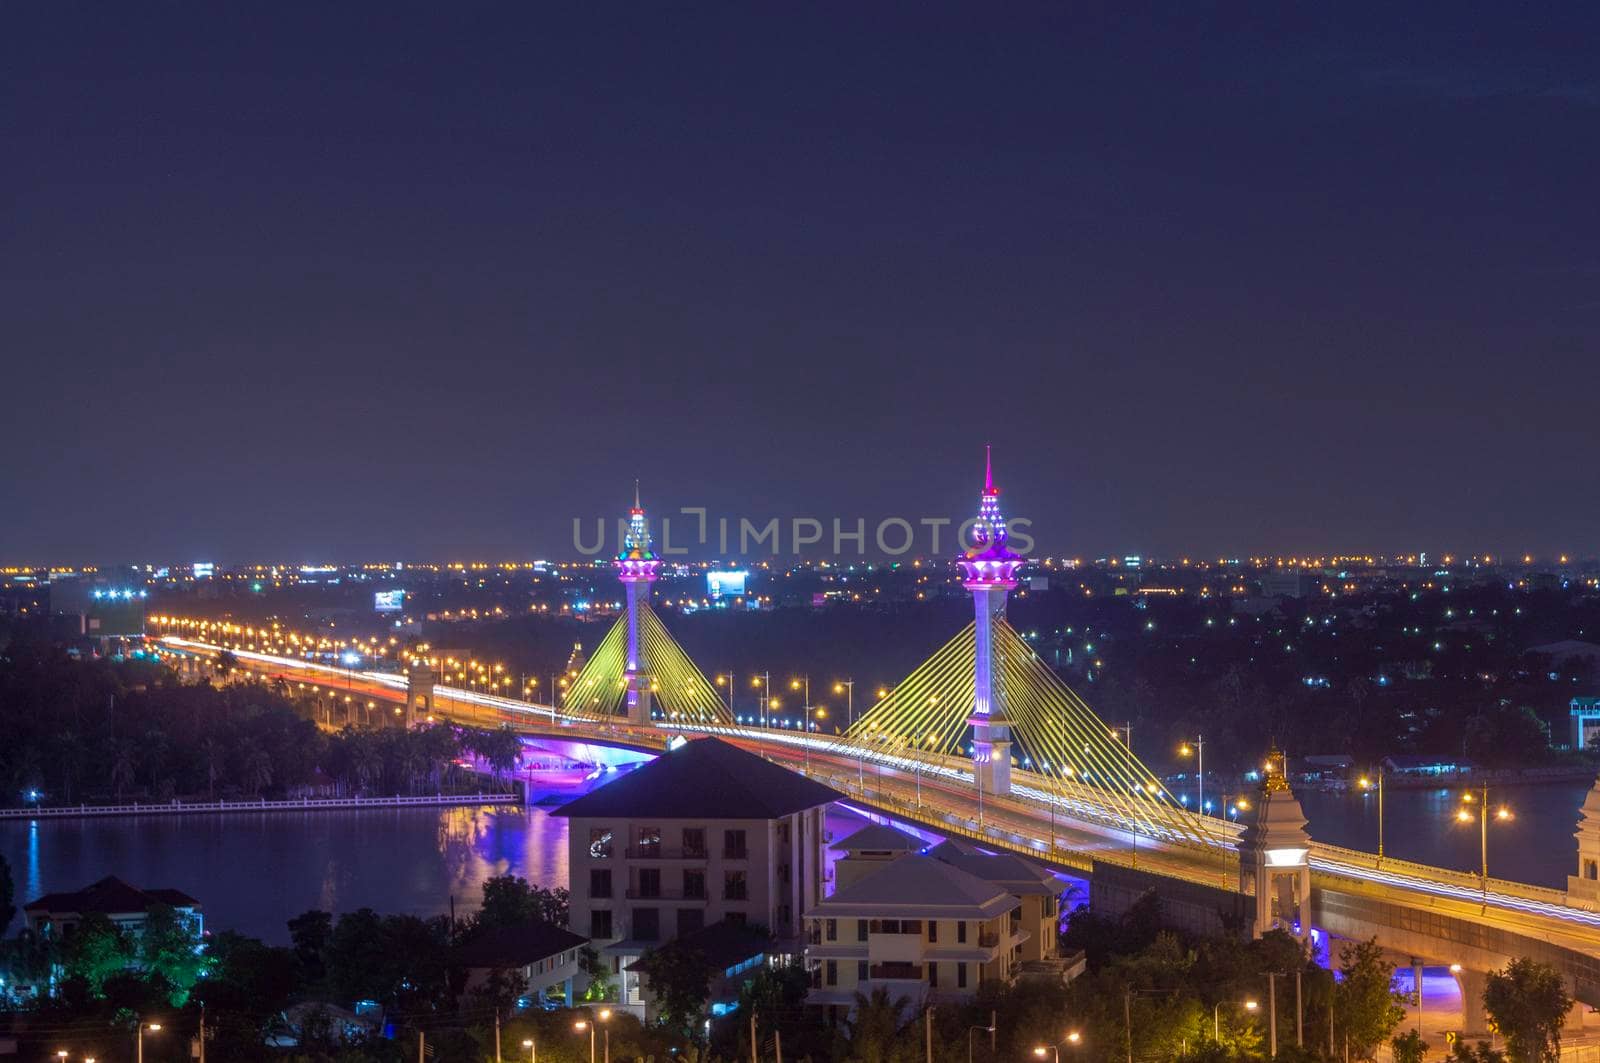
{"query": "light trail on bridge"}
pixel 1175 855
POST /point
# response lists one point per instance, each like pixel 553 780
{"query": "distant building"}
pixel 1427 767
pixel 57 914
pixel 919 928
pixel 703 834
pixel 869 850
pixel 544 956
pixel 1585 723
pixel 1288 583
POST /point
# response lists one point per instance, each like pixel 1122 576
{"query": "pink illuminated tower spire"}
pixel 637 567
pixel 991 571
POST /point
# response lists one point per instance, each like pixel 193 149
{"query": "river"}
pixel 253 871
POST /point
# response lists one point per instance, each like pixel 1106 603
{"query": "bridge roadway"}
pixel 1391 898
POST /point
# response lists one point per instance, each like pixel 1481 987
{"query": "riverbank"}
pixel 293 804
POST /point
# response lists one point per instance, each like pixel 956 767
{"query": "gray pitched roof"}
pixel 515 946
pixel 1017 874
pixel 704 779
pixel 919 887
pixel 110 896
pixel 880 837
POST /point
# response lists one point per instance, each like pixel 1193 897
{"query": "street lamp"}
pixel 848 688
pixel 1466 815
pixel 763 682
pixel 533 1050
pixel 1198 749
pixel 153 1027
pixel 1072 1040
pixel 1216 1017
pixel 1367 784
pixel 972 1030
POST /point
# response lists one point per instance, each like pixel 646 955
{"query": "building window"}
pixel 861 970
pixel 694 841
pixel 647 924
pixel 933 931
pixel 785 913
pixel 733 846
pixel 694 885
pixel 833 972
pixel 734 918
pixel 961 932
pixel 861 930
pixel 961 976
pixel 600 882
pixel 690 920
pixel 933 976
pixel 600 923
pixel 649 882
pixel 648 841
pixel 831 927
pixel 735 887
pixel 599 843
pixel 1591 869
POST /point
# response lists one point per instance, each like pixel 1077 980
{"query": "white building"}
pixel 704 833
pixel 918 927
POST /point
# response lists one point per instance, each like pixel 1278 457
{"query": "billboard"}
pixel 388 601
pixel 726 584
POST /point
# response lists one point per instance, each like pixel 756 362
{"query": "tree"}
pixel 1368 1008
pixel 680 981
pixel 310 931
pixel 96 950
pixel 1408 1047
pixel 7 895
pixel 169 947
pixel 598 974
pixel 873 1029
pixel 509 900
pixel 1528 1001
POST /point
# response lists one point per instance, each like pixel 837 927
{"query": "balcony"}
pixel 636 894
pixel 742 853
pixel 903 972
pixel 988 939
pixel 658 852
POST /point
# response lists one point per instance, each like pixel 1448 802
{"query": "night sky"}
pixel 429 281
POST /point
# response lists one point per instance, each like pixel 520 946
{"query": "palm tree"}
pixel 256 766
pixel 211 751
pixel 123 765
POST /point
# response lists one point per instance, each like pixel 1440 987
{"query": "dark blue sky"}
pixel 433 279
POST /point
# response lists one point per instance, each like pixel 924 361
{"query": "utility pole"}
pixel 202 1033
pixel 1127 1022
pixel 1333 991
pixel 1272 1014
pixel 777 1044
pixel 753 1057
pixel 927 1033
pixel 497 1035
pixel 1299 1015
pixel 422 1046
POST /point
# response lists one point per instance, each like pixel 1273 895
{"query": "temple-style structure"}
pixel 991 573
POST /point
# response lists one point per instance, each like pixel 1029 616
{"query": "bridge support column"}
pixel 1273 857
pixel 1474 1020
pixel 420 680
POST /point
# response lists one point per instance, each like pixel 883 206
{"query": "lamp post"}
pixel 848 686
pixel 764 682
pixel 728 678
pixel 1198 748
pixel 138 1041
pixel 972 1030
pixel 533 1050
pixel 1072 1040
pixel 1216 1017
pixel 1366 783
pixel 1466 815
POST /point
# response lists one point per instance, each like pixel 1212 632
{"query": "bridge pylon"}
pixel 420 681
pixel 1274 851
pixel 637 567
pixel 991 574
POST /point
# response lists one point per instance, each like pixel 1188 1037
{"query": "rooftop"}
pixel 110 896
pixel 723 944
pixel 1017 874
pixel 516 946
pixel 703 779
pixel 919 887
pixel 880 837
